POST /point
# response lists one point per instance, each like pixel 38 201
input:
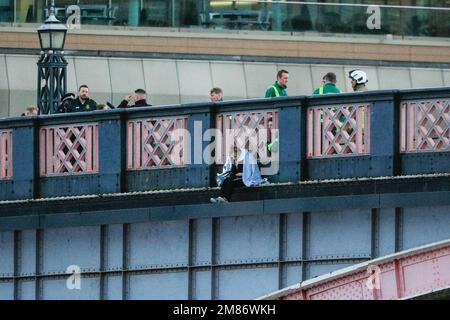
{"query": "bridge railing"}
pixel 5 154
pixel 241 127
pixel 68 149
pixel 150 143
pixel 373 134
pixel 392 277
pixel 425 125
pixel 342 130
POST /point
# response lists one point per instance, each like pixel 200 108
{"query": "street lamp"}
pixel 52 67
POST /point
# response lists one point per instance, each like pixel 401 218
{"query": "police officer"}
pixel 82 102
pixel 62 108
pixel 136 100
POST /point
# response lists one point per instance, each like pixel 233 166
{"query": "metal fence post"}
pixel 111 154
pixel 291 142
pixel 384 130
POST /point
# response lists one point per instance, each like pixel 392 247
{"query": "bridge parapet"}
pixel 338 131
pixel 373 134
pixel 5 154
pixel 425 125
pixel 408 274
pixel 68 149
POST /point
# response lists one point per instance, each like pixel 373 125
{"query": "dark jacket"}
pixel 76 105
pixel 63 107
pixel 139 103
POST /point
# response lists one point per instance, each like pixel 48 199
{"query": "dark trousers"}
pixel 228 186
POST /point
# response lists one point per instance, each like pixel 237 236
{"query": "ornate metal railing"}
pixel 69 149
pixel 157 142
pixel 244 128
pixel 425 125
pixel 373 134
pixel 342 130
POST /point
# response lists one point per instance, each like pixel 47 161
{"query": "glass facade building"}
pixel 429 18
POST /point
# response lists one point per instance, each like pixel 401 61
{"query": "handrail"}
pixel 318 137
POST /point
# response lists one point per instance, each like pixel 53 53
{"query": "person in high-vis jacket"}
pixel 329 85
pixel 279 87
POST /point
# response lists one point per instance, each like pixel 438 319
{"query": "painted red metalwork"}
pixel 338 131
pixel 6 154
pixel 407 274
pixel 425 125
pixel 157 142
pixel 69 149
pixel 239 128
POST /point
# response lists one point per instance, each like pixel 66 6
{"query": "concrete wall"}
pixel 181 81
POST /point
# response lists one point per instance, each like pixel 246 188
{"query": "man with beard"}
pixel 82 101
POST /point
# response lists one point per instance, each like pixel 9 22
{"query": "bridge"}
pixel 120 201
pixel 420 273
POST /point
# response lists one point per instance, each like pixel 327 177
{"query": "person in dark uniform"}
pixel 62 108
pixel 82 102
pixel 136 100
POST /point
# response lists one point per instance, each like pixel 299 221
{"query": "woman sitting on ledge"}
pixel 231 177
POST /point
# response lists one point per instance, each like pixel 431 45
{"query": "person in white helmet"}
pixel 359 80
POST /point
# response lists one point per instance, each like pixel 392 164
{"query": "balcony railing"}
pixel 373 134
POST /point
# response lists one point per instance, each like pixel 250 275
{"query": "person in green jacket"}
pixel 329 87
pixel 280 86
pixel 329 81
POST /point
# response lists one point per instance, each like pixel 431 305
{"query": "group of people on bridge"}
pixel 240 168
pixel 82 101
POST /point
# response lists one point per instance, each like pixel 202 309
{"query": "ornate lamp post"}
pixel 52 67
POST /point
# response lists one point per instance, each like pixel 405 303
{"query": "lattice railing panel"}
pixel 69 149
pixel 425 126
pixel 6 154
pixel 157 142
pixel 244 129
pixel 338 131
